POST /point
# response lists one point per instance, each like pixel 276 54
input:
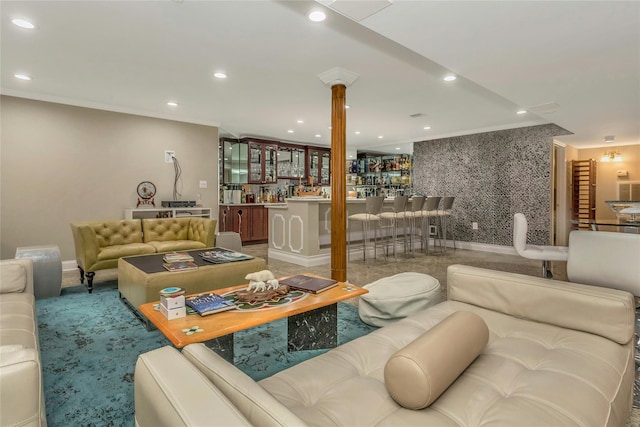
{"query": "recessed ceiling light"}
pixel 317 16
pixel 300 122
pixel 521 112
pixel 318 135
pixel 351 156
pixel 347 106
pixel 380 136
pixel 220 75
pixel 449 78
pixel 426 127
pixel 290 131
pixel 22 23
pixel 172 104
pixel 397 148
pixel 357 132
pixel 329 127
pixel 22 77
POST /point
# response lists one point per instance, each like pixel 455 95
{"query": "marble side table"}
pixel 47 269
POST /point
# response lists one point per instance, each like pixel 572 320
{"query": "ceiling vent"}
pixel 549 107
pixel 356 10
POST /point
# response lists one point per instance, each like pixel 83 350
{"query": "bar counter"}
pixel 300 229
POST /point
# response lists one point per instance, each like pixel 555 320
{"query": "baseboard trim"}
pixel 325 258
pixel 69 265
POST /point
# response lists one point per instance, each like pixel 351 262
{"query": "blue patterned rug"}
pixel 90 344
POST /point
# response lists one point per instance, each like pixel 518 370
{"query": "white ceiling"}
pixel 133 57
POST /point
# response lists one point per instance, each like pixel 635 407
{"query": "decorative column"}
pixel 338 79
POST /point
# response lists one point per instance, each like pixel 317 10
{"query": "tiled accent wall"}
pixel 492 175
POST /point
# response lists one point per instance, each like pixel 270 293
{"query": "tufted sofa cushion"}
pixel 161 230
pixel 116 233
pixel 556 369
pixel 176 234
pixel 528 371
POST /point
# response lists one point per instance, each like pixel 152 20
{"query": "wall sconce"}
pixel 611 156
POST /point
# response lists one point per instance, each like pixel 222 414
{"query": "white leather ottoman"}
pixel 395 297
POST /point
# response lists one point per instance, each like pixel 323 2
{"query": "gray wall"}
pixel 492 175
pixel 61 163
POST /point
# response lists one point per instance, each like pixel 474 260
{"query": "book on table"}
pixel 311 284
pixel 205 304
pixel 180 266
pixel 177 257
pixel 222 256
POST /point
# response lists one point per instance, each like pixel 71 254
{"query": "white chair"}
pixel 610 260
pixel 546 254
pixel 229 240
pixel 605 258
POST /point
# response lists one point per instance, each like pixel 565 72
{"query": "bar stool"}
pixel 373 207
pixel 444 215
pixel 413 219
pixel 391 219
pixel 429 210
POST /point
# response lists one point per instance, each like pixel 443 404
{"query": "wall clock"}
pixel 146 191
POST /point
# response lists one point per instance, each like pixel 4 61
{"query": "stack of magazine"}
pixel 178 261
pixel 221 256
pixel 205 304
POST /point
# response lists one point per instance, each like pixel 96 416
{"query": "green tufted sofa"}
pixel 99 244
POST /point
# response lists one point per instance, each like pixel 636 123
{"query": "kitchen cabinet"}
pixel 291 161
pixel 319 161
pixel 234 158
pixel 262 162
pixel 250 221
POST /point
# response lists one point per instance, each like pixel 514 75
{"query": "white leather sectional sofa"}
pixel 21 392
pixel 553 354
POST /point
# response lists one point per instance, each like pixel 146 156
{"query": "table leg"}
pixel 223 346
pixel 315 329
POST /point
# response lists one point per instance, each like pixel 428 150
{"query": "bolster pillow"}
pixel 417 374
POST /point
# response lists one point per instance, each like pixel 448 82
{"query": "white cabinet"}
pixel 138 213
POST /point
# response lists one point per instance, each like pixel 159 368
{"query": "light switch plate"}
pixel 203 184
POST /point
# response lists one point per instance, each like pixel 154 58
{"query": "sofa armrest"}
pixel 259 406
pixel 16 275
pixel 86 245
pixel 170 391
pixel 609 313
pixel 203 230
pixel 21 392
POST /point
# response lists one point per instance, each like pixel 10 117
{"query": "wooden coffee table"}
pixel 312 320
